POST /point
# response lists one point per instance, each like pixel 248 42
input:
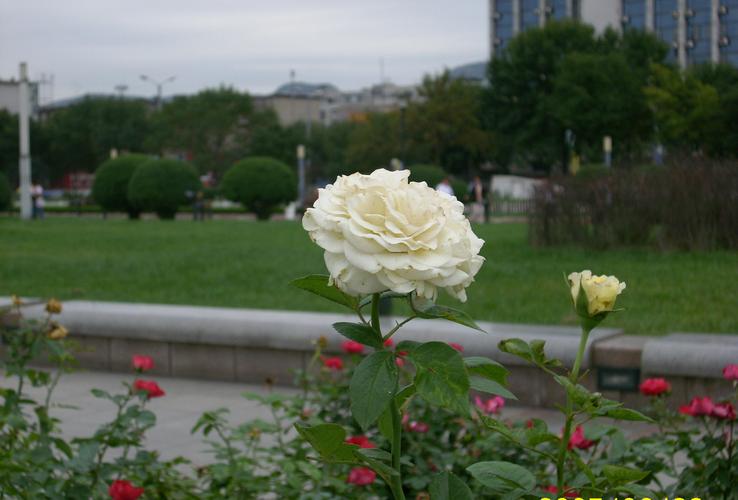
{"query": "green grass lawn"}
pixel 248 264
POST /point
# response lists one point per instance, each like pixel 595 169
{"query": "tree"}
pixel 517 104
pixel 81 136
pixel 374 143
pixel 445 127
pixel 595 95
pixel 211 128
pixel 261 184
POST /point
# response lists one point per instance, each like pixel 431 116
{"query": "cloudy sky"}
pixel 94 45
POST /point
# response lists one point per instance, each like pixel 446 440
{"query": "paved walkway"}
pixel 183 404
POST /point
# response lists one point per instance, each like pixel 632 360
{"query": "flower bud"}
pixel 53 306
pixel 56 331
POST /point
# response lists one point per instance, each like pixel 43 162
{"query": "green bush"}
pixel 5 193
pixel 161 186
pixel 460 189
pixel 431 174
pixel 110 190
pixel 260 184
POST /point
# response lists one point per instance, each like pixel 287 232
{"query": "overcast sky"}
pixel 94 45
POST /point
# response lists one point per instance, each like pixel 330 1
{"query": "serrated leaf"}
pixel 318 284
pixel 446 486
pixel 504 478
pixel 372 387
pixel 428 310
pixel 370 458
pixel 618 475
pixel 487 368
pixel 362 334
pixel 627 414
pixel 441 378
pixel 499 427
pixel 490 387
pixel 329 440
pixel 578 393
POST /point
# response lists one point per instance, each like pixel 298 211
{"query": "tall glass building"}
pixel 697 31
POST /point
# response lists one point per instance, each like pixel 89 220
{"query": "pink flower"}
pixel 420 427
pixel 730 372
pixel 457 346
pixel 361 476
pixel 120 489
pixel 351 347
pixel 150 387
pixel 333 363
pixel 389 343
pixel 399 362
pixel 655 387
pixel 577 440
pixel 361 441
pixel 142 363
pixel 723 411
pixel 491 406
pixel 568 492
pixel 698 407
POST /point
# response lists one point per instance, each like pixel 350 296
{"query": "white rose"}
pixel 381 232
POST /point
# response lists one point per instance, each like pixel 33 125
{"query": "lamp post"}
pixel 24 163
pixel 301 175
pixel 158 85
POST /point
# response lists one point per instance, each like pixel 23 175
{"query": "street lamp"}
pixel 158 85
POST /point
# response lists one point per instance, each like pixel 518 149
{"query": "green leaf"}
pixel 384 295
pixel 504 478
pixel 374 459
pixel 490 387
pixel 532 352
pixel 362 334
pixel 318 284
pixel 372 387
pixel 578 393
pixel 446 486
pixel 499 427
pixel 385 424
pixel 628 414
pixel 538 433
pixel 618 475
pixel 428 310
pixel 486 368
pixel 329 440
pixel 441 378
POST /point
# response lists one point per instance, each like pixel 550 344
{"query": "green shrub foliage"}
pixel 110 190
pixel 5 193
pixel 260 184
pixel 431 174
pixel 162 186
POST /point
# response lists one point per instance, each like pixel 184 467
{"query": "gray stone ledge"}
pixel 690 354
pixel 291 330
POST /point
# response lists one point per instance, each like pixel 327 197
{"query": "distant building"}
pixel 697 31
pixel 325 104
pixel 10 99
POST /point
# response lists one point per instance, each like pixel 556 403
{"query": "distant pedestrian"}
pixel 37 201
pixel 477 195
pixel 445 187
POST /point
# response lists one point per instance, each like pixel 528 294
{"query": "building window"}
pixel 728 39
pixel 529 14
pixel 665 24
pixel 634 14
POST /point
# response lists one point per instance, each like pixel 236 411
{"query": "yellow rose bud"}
pixel 17 301
pixel 57 332
pixel 53 306
pixel 600 292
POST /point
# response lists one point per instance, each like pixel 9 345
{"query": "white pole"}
pixel 25 156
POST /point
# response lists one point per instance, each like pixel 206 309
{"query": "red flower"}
pixel 389 343
pixel 491 406
pixel 142 363
pixel 698 407
pixel 420 427
pixel 402 353
pixel 724 411
pixel 529 424
pixel 333 363
pixel 655 387
pixel 121 489
pixel 399 362
pixel 361 441
pixel 568 492
pixel 456 346
pixel 150 387
pixel 361 476
pixel 577 440
pixel 351 347
pixel 730 372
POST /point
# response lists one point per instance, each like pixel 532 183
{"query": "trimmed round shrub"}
pixel 261 184
pixel 6 194
pixel 110 190
pixel 162 186
pixel 431 174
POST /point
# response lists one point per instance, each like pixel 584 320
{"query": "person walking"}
pixel 477 195
pixel 445 186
